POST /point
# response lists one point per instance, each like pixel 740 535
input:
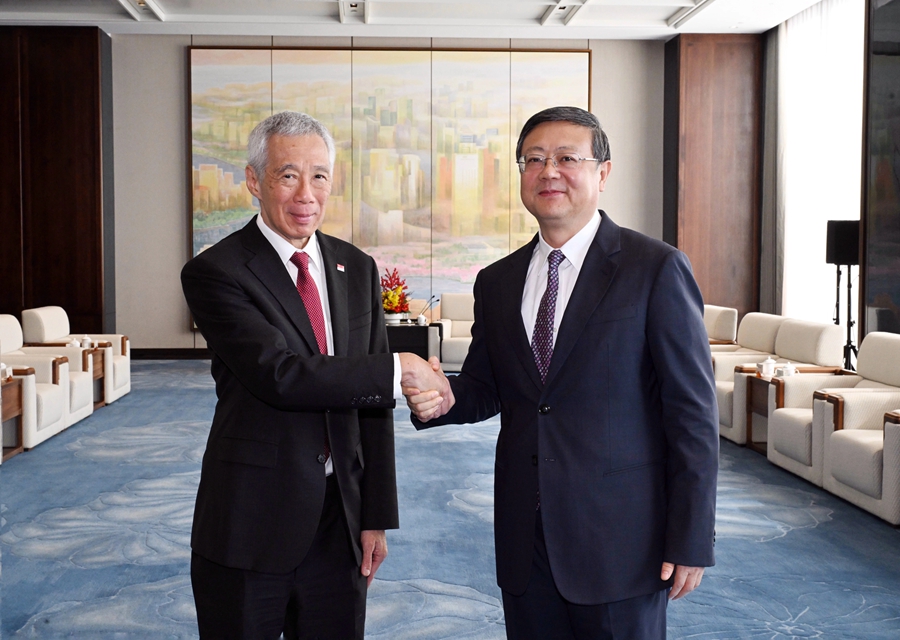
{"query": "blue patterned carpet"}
pixel 95 524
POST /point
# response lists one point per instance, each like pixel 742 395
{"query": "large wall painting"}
pixel 424 179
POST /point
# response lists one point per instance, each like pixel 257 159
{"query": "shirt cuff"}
pixel 398 390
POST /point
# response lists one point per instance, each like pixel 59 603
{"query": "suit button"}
pixel 353 401
pixel 377 398
pixel 370 399
pixel 534 460
pixel 544 409
pixel 321 458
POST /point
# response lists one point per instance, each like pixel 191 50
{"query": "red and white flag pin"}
pixel 340 267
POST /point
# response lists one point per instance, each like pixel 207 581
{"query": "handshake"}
pixel 427 390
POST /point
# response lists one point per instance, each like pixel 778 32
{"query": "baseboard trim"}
pixel 171 354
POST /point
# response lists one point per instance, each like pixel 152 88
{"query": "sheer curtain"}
pixel 820 112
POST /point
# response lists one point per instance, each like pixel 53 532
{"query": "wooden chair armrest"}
pixel 743 368
pixel 47 344
pixel 27 371
pixel 893 417
pixel 713 341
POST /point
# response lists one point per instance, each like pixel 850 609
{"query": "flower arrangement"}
pixel 393 293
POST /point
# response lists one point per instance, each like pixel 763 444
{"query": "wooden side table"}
pixel 12 410
pixel 757 403
pixel 99 386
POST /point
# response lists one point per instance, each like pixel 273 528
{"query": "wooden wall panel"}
pixel 56 210
pixel 11 293
pixel 61 164
pixel 712 175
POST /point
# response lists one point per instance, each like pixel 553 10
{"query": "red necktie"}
pixel 306 287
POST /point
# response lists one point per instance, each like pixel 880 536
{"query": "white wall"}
pixel 150 110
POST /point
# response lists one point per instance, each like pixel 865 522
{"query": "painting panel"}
pixel 470 147
pixel 231 92
pixel 392 163
pixel 318 83
pixel 540 80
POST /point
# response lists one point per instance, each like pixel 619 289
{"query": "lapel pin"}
pixel 340 268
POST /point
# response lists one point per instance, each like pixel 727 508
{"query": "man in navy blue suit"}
pixel 589 342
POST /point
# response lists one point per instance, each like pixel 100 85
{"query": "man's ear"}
pixel 605 168
pixel 252 181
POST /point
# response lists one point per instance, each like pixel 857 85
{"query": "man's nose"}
pixel 304 192
pixel 549 169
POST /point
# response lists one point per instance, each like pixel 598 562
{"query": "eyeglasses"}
pixel 534 163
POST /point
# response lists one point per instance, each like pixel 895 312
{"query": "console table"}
pixel 422 340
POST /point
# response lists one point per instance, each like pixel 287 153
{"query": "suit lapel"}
pixel 267 267
pixel 597 273
pixel 338 298
pixel 513 289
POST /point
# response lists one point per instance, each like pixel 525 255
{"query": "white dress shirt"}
pixel 575 251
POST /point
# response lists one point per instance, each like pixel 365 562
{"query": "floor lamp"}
pixel 842 249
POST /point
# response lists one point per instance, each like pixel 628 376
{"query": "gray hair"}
pixel 286 123
pixel 573 115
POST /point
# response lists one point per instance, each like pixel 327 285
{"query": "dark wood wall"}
pixel 713 118
pixel 56 177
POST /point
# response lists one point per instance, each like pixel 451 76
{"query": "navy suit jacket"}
pixel 621 441
pixel 262 483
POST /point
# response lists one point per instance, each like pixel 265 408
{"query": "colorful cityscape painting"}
pixel 424 180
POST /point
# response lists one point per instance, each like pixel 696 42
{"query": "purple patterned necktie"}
pixel 542 338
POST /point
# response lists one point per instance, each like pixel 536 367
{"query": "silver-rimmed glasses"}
pixel 534 162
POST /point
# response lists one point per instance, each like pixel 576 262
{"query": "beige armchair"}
pixel 721 324
pixel 861 452
pixel 457 316
pixel 809 345
pixel 45 386
pixel 45 325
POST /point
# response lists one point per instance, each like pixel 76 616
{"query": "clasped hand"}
pixel 427 390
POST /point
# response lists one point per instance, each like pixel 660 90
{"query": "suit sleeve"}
pixel 376 432
pixel 679 348
pixel 242 327
pixel 474 388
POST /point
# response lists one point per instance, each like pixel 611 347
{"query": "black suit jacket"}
pixel 621 441
pixel 262 483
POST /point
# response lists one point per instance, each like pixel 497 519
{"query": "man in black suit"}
pixel 589 342
pixel 298 483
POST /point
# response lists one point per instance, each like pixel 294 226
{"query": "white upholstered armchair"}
pixel 457 316
pixel 45 385
pixel 51 325
pixel 861 452
pixel 809 345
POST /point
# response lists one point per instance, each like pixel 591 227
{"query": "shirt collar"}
pixel 285 249
pixel 575 250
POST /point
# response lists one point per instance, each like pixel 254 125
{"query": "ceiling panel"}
pixel 521 19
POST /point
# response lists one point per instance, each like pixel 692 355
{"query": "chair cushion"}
pixel 878 358
pixel 791 434
pixel 10 333
pixel 810 342
pixel 856 459
pixel 458 306
pixel 725 400
pixel 455 349
pixel 721 322
pixel 758 331
pixel 45 324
